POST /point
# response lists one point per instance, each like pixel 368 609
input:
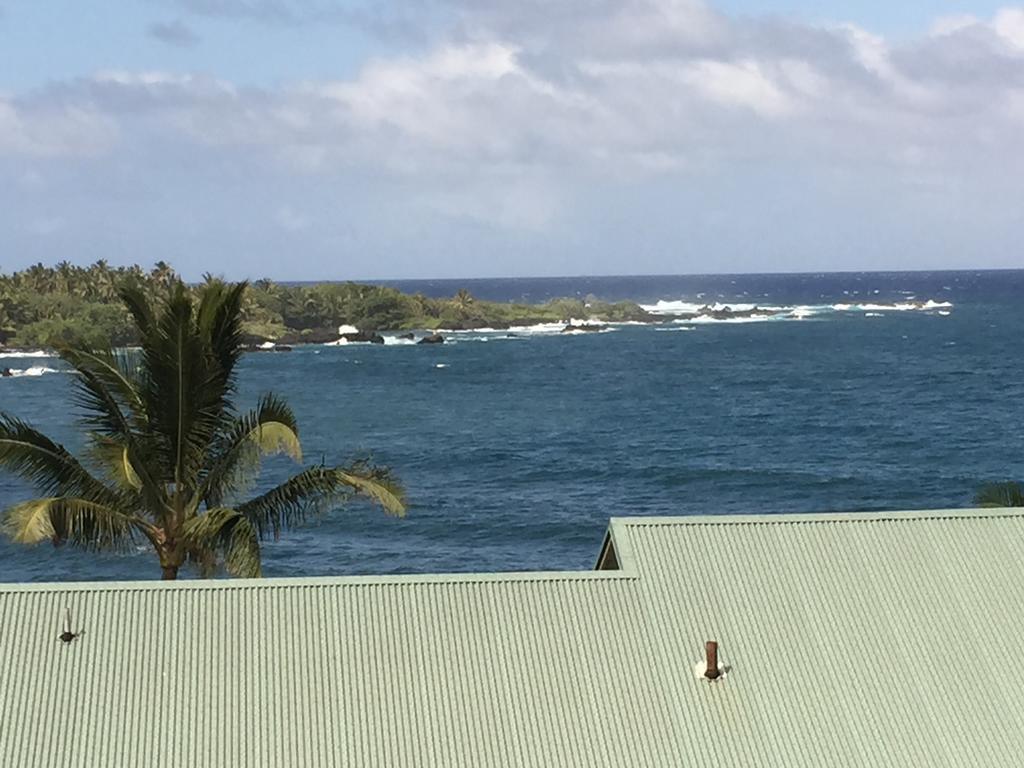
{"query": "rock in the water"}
pixel 434 338
pixel 408 336
pixel 584 327
pixel 362 337
pixel 6 372
pixel 728 313
pixel 308 336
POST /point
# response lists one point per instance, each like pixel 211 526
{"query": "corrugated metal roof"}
pixel 853 640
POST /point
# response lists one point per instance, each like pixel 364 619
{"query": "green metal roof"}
pixel 852 640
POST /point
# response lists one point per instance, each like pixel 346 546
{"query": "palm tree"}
pixel 463 299
pixel 1001 495
pixel 174 452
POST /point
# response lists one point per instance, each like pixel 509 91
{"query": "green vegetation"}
pixel 1001 495
pixel 169 454
pixel 47 307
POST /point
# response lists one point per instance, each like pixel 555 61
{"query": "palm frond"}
pixel 108 392
pixel 47 465
pixel 219 319
pixel 377 485
pixel 79 522
pixel 134 298
pixel 306 494
pixel 118 370
pixel 230 533
pixel 314 491
pixel 1001 495
pixel 184 397
pixel 115 458
pixel 269 429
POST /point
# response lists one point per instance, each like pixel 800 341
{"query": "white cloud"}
pixel 1009 24
pixel 640 85
pixel 523 109
pixel 948 25
pixel 54 129
pixel 740 84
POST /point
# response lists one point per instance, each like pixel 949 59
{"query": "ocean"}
pixel 865 391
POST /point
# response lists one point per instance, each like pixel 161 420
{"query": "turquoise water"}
pixel 516 451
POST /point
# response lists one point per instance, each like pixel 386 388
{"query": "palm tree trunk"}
pixel 169 572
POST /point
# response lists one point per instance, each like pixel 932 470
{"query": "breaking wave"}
pixel 701 313
pixel 15 355
pixel 900 306
pixel 35 370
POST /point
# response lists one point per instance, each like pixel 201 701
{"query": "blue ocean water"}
pixel 516 451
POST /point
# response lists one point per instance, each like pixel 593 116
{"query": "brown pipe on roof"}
pixel 711 660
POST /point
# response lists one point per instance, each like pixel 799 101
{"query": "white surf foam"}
pixel 586 333
pixel 36 353
pixel 773 312
pixel 35 370
pixel 899 306
pixel 705 320
pixel 664 307
pixel 800 313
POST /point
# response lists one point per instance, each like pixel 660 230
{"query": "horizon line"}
pixel 648 274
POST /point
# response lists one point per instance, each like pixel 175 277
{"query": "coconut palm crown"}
pixel 174 456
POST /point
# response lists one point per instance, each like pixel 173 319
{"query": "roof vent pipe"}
pixel 711 671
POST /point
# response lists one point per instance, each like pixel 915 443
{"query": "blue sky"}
pixel 454 138
pixel 64 39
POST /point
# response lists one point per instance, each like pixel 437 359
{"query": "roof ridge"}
pixel 810 518
pixel 286 582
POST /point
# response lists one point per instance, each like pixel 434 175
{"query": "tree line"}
pixel 47 306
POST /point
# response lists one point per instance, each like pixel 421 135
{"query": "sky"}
pixel 353 139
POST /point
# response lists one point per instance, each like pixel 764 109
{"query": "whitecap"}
pixel 395 341
pixel 664 307
pixel 900 306
pixel 441 365
pixel 586 333
pixel 343 342
pixel 800 313
pixel 35 370
pixel 35 353
pixel 705 320
pixel 539 328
